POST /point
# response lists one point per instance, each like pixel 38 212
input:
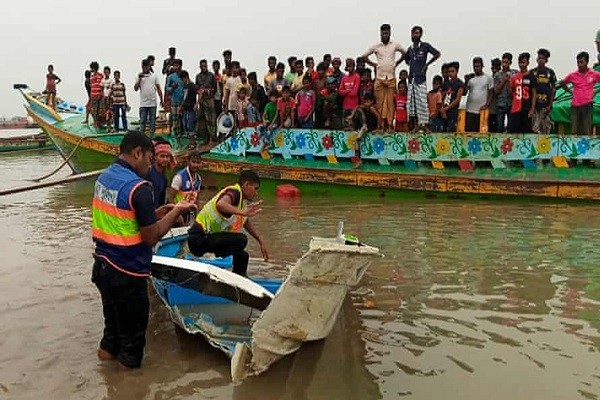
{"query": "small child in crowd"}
pixel 434 104
pixel 401 99
pixel 365 118
pixel 286 108
pixel 242 106
pixel 305 99
pixel 254 117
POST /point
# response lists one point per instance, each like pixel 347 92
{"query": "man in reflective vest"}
pixel 218 226
pixel 125 226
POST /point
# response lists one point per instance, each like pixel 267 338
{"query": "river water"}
pixel 494 300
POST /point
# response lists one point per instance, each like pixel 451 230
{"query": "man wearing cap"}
pixel 164 159
pixel 416 58
pixel 349 88
pixel 385 82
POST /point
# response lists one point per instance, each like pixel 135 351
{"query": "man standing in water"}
pixel 416 58
pixel 218 226
pixel 125 226
pixel 385 82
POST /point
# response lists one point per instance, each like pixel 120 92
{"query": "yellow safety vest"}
pixel 212 221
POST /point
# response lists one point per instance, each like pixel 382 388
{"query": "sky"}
pixel 119 33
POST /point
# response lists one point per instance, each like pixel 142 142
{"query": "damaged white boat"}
pixel 226 308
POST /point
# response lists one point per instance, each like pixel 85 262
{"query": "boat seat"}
pixel 221 262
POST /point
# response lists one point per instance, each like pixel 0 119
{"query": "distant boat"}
pixel 25 143
pixel 17 123
pixel 396 164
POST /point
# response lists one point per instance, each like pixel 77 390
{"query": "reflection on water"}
pixel 472 300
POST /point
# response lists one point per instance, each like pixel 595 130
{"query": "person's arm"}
pixel 490 94
pixel 563 84
pixel 159 91
pixel 249 226
pixel 57 80
pixel 172 190
pixel 226 93
pixel 312 106
pixel 225 206
pixel 500 85
pixel 293 116
pixel 456 101
pixel 366 55
pixel 136 85
pixel 436 55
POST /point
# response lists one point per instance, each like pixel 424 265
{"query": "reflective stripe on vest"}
pixel 212 221
pixel 111 221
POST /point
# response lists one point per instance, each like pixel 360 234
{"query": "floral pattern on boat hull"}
pixel 416 147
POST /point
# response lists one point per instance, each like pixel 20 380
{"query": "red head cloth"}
pixel 165 148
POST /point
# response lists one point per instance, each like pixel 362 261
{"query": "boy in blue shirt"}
pixel 175 88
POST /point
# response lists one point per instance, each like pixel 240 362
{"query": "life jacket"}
pixel 189 189
pixel 115 229
pixel 212 221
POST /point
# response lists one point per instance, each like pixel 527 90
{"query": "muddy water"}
pixel 473 300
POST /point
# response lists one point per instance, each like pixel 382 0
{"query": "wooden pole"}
pixel 40 185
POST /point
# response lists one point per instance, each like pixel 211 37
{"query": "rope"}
pixel 68 158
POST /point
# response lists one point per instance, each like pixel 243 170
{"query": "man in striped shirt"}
pixel 119 102
pixel 96 94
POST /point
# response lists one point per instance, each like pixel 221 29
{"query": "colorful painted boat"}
pixel 25 143
pixel 397 164
pixel 258 321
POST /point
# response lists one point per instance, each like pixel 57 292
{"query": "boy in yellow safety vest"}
pixel 217 228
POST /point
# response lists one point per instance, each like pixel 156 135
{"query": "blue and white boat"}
pixel 258 321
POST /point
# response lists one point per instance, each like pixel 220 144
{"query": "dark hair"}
pixel 326 55
pixel 524 56
pixel 203 61
pixel 94 65
pixel 194 154
pixel 177 61
pixel 478 60
pixel 309 58
pixel 273 93
pixel 87 73
pixel 107 68
pixel 438 79
pixel 117 72
pixel 321 66
pixel 280 66
pixel 417 28
pixel 291 58
pixel 360 59
pixel 385 27
pixel 402 82
pixel 249 176
pixel 454 64
pixel 171 48
pixel 584 55
pixel 286 88
pixel 235 64
pixel 50 66
pixel 544 53
pixel 145 63
pixel 496 62
pixel 184 74
pixel 217 62
pixel 299 62
pixel 444 66
pixel 252 75
pixel 150 57
pixel 133 139
pixel 226 52
pixel 369 96
pixel 508 56
pixel 272 58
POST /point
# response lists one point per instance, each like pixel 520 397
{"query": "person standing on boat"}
pixel 385 67
pixel 148 85
pixel 583 81
pixel 96 94
pixel 416 58
pixel 125 226
pixel 167 69
pixel 480 91
pixel 175 90
pixel 218 226
pixel 543 82
pixel 119 102
pixel 206 84
pixel 106 110
pixel 51 81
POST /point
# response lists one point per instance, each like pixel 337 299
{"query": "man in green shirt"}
pixel 269 119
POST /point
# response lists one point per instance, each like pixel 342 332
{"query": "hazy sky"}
pixel 120 33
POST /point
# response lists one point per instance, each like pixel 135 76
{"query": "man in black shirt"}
pixel 452 95
pixel 189 106
pixel 258 91
pixel 543 82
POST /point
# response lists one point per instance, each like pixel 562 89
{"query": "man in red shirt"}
pixel 349 88
pixel 520 89
pixel 96 95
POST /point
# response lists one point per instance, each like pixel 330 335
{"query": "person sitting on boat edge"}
pixel 218 226
pixel 125 226
pixel 163 160
pixel 186 184
pixel 365 118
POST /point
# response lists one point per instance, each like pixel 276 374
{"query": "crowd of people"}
pixel 366 95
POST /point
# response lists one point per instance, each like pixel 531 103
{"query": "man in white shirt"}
pixel 148 85
pixel 385 71
pixel 480 89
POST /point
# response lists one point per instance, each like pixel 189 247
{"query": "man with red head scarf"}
pixel 164 160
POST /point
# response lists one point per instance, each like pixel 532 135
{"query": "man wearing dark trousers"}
pixel 218 226
pixel 125 226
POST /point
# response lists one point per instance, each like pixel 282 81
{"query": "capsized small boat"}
pixel 258 321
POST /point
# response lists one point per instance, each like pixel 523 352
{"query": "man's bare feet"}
pixel 105 355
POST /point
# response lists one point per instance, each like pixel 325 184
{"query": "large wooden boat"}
pixel 555 166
